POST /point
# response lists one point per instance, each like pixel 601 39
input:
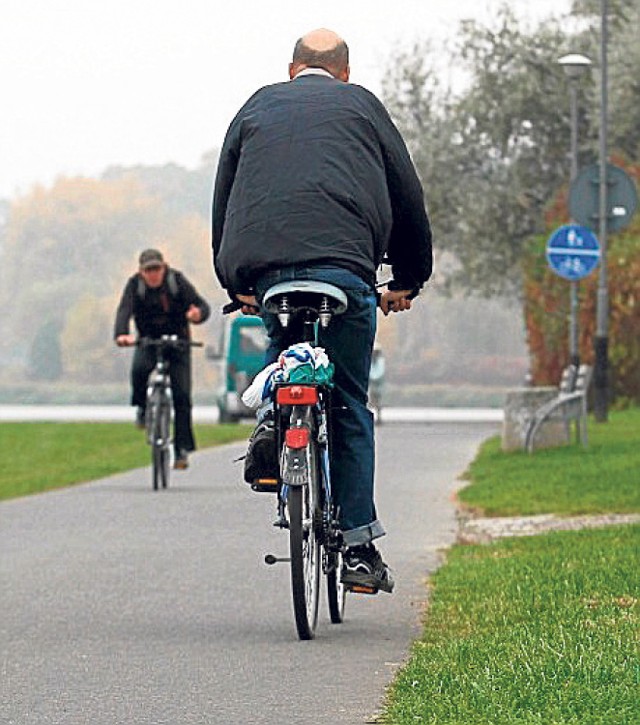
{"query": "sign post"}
pixel 604 196
pixel 573 252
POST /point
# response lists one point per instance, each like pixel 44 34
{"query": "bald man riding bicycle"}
pixel 315 182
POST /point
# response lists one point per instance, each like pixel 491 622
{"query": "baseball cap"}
pixel 151 258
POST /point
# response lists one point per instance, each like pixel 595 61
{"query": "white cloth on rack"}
pixel 293 358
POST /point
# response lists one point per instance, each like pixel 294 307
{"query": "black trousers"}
pixel 144 360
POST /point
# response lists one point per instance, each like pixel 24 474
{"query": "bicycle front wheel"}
pixel 335 589
pixel 160 467
pixel 160 443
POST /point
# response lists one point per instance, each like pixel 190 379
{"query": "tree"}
pixel 624 60
pixel 45 355
pixel 67 251
pixel 65 242
pixel 181 191
pixel 493 154
pixel 86 340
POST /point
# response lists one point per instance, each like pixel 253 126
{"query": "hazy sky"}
pixel 89 84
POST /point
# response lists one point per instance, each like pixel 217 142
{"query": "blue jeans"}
pixel 348 340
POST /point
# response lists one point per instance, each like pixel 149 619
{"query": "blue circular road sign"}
pixel 573 251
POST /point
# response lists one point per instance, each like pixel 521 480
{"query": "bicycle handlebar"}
pixel 167 341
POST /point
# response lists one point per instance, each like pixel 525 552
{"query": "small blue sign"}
pixel 573 251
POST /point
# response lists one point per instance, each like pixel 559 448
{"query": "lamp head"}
pixel 574 64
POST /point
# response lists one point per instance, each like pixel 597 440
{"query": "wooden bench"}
pixel 570 404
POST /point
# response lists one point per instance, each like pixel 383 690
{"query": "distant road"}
pixel 209 414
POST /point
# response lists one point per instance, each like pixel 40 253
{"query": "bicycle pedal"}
pixel 265 485
pixel 360 589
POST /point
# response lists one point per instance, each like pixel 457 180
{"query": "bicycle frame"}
pixel 159 409
pixel 305 506
pixel 159 406
pixel 158 387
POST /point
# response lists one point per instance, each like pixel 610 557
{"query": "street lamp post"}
pixel 574 66
pixel 601 342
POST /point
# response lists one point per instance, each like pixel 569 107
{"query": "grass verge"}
pixel 529 630
pixel 40 456
pixel 568 480
pixel 537 629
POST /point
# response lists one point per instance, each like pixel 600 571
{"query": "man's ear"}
pixel 292 71
pixel 344 75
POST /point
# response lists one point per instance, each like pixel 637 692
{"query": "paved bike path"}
pixel 120 605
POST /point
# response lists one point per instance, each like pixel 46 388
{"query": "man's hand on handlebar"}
pixel 249 304
pixel 395 301
pixel 125 340
pixel 194 314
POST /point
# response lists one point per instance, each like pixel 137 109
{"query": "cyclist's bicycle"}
pixel 302 414
pixel 159 406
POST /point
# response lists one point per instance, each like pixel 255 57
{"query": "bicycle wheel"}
pixel 304 545
pixel 165 431
pixel 159 467
pixel 153 412
pixel 336 591
pixel 160 443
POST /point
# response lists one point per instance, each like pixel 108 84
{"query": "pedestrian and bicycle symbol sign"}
pixel 573 251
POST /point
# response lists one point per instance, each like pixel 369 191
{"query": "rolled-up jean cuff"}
pixel 363 534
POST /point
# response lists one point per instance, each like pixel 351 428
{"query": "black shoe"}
pixel 181 461
pixel 141 417
pixel 364 571
pixel 261 460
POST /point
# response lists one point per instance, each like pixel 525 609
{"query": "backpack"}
pixel 172 285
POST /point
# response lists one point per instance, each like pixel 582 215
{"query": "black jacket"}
pixel 314 171
pixel 158 311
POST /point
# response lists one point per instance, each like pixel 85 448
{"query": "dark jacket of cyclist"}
pixel 314 171
pixel 315 182
pixel 159 311
pixel 161 301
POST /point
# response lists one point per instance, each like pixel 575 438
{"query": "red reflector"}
pixel 296 437
pixel 297 395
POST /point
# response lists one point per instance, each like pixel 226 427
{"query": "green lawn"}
pixel 537 629
pixel 604 477
pixel 39 456
pixel 530 630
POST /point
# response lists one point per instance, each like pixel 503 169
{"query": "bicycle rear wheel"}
pixel 305 527
pixel 305 562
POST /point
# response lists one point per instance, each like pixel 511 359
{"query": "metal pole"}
pixel 573 95
pixel 601 340
pixel 574 353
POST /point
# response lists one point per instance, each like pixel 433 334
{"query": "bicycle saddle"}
pixel 285 298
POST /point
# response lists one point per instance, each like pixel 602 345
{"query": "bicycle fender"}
pixel 295 466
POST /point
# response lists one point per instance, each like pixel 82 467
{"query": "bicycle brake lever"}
pixel 231 307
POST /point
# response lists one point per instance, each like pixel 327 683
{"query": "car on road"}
pixel 242 354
